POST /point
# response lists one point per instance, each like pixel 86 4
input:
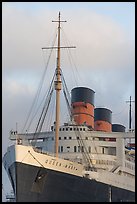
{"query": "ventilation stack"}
pixel 102 118
pixel 118 128
pixel 82 101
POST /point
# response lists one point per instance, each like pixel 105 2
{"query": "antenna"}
pixel 130 101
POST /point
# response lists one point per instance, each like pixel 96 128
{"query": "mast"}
pixel 58 89
pixel 58 84
pixel 130 112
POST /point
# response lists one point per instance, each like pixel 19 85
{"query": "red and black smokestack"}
pixel 102 118
pixel 82 101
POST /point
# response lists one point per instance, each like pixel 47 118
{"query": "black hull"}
pixel 34 184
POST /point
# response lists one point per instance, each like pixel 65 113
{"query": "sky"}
pixel 103 60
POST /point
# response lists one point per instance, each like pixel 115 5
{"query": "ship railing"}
pixel 90 168
pixel 39 150
pixel 115 168
pixel 130 158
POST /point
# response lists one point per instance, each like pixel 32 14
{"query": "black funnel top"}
pixel 102 114
pixel 82 94
pixel 118 128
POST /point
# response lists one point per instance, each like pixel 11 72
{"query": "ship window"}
pixel 68 148
pixel 52 138
pixel 78 148
pixel 59 138
pixel 86 138
pixel 77 129
pixel 82 149
pixel 61 148
pixel 66 129
pixel 53 163
pixel 83 129
pixel 101 161
pixel 70 138
pixel 39 148
pixel 40 140
pixel 80 129
pixel 70 129
pixel 59 129
pixel 74 129
pixel 63 129
pixel 75 149
pixel 101 138
pixel 89 149
pixel 65 138
pixel 103 151
pixel 77 138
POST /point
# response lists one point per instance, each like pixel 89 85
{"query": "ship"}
pixel 86 159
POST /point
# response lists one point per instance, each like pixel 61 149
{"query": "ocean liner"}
pixel 87 159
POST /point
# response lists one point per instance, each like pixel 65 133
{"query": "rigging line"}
pixel 41 102
pixel 72 67
pixel 66 86
pixel 47 123
pixel 48 95
pixel 66 95
pixel 84 152
pixel 39 125
pixel 68 105
pixel 87 155
pixel 36 159
pixel 120 111
pixel 50 120
pixel 96 152
pixel 44 109
pixel 71 57
pixel 40 86
pixel 93 142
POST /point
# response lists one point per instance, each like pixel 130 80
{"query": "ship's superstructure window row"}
pixel 90 149
pixel 75 137
pixel 71 129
